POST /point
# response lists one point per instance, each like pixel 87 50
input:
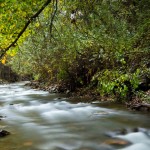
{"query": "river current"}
pixel 38 120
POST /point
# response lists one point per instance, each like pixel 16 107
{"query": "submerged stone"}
pixel 4 133
pixel 117 142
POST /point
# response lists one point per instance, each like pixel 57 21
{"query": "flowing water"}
pixel 38 120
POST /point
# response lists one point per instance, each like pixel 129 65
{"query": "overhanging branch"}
pixel 53 16
pixel 3 51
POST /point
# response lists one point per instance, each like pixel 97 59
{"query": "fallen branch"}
pixel 140 106
pixel 3 51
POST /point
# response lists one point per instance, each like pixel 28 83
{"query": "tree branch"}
pixel 53 16
pixel 3 51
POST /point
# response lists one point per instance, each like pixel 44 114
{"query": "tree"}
pixel 11 31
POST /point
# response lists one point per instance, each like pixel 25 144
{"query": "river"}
pixel 38 120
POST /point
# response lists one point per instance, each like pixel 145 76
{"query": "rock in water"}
pixel 4 133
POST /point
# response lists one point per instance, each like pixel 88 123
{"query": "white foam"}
pixel 138 146
pixel 136 137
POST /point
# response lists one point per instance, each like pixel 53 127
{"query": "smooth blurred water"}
pixel 39 120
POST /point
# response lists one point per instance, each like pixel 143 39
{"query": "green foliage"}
pixel 143 96
pixel 117 83
pixel 13 15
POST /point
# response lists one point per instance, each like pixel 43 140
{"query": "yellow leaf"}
pixel 3 60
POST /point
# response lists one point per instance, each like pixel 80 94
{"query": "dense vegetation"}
pixel 100 44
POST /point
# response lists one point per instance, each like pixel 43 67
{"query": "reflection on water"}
pixel 38 120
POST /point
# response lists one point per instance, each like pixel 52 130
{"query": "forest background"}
pixel 103 45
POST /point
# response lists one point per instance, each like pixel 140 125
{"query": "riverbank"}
pixel 3 82
pixel 140 100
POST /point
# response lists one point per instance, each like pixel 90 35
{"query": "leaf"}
pixel 3 61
